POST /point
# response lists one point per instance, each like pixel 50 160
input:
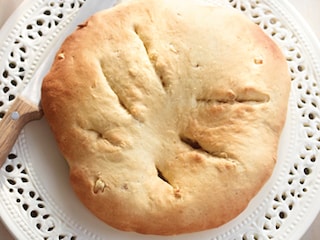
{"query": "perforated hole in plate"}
pixel 24 47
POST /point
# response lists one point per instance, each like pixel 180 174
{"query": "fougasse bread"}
pixel 168 113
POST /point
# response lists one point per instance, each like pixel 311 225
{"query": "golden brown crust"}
pixel 168 114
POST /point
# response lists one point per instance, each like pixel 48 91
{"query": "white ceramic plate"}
pixel 36 201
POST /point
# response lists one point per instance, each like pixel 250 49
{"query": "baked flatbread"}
pixel 168 114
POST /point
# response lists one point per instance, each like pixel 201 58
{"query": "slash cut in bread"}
pixel 168 113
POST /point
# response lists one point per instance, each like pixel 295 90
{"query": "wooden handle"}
pixel 11 125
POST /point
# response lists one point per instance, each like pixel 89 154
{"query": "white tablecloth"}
pixel 309 10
